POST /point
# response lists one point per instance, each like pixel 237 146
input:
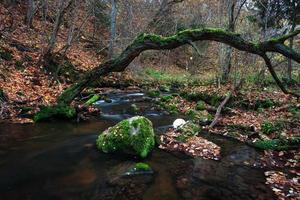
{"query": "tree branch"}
pixel 156 42
pixel 224 102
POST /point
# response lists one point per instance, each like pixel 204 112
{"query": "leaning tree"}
pixel 156 42
pixel 145 42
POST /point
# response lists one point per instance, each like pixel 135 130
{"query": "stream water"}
pixel 59 161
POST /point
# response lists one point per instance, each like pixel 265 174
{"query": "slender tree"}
pixel 113 21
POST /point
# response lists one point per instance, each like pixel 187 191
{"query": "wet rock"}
pixel 107 99
pixel 55 112
pixel 129 173
pixel 133 136
pixel 134 109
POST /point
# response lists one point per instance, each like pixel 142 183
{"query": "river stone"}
pixel 133 136
pixel 129 173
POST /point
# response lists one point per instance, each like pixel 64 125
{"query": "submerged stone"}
pixel 133 136
pixel 130 173
pixel 139 169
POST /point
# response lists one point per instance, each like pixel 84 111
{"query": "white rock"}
pixel 178 123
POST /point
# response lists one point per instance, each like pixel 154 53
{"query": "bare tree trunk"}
pixel 290 67
pixel 226 51
pixel 113 18
pixel 30 13
pixel 58 20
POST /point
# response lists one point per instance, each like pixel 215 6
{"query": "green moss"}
pixel 238 127
pixel 181 36
pixel 200 105
pixel 62 112
pixel 153 93
pixel 132 136
pixel 213 99
pixel 171 108
pixel 19 65
pixel 142 167
pixel 271 127
pixel 164 88
pixel 200 116
pixel 92 100
pixel 188 130
pixel 167 98
pixel 295 112
pixel 266 103
pixel 192 114
pixel 5 55
pixel 278 144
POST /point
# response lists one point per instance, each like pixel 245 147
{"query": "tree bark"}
pixel 225 50
pixel 290 67
pixel 30 13
pixel 156 42
pixel 113 18
pixel 58 21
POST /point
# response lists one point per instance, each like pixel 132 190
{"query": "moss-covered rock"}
pixel 166 98
pixel 142 167
pixel 92 100
pixel 134 109
pixel 202 117
pixel 51 112
pixel 164 88
pixel 188 130
pixel 272 127
pixel 278 144
pixel 133 136
pixel 107 99
pixel 153 93
pixel 200 105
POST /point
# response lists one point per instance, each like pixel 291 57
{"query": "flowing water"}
pixel 59 160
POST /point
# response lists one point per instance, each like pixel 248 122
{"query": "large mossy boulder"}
pixel 133 136
pixel 55 112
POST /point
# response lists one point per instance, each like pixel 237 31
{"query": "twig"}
pixel 195 47
pixel 228 96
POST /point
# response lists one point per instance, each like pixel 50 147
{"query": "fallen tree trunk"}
pixel 155 42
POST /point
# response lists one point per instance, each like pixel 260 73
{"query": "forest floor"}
pixel 261 114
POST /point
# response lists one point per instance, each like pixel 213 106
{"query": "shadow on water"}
pixel 60 161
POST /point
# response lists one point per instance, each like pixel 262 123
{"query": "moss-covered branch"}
pixel 156 42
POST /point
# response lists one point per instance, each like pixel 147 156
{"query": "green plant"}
pixel 19 65
pixel 271 127
pixel 266 103
pixel 295 112
pixel 200 105
pixel 153 93
pixel 5 55
pixel 167 98
pixel 278 144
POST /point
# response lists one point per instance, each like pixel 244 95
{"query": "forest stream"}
pixel 60 161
